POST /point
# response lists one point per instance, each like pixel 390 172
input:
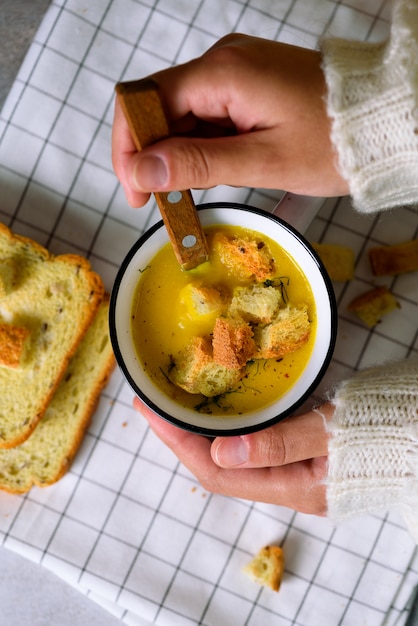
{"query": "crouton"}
pixel 12 345
pixel 256 303
pixel 202 301
pixel 245 257
pixel 338 260
pixel 289 330
pixel 196 372
pixel 232 342
pixel 267 567
pixel 372 305
pixel 396 259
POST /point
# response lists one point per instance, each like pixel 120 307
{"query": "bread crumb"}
pixel 267 567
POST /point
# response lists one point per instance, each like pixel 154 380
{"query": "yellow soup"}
pixel 164 322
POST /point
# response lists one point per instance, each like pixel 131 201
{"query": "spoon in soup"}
pixel 144 112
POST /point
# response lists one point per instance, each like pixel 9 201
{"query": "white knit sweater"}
pixel 373 449
pixel 373 105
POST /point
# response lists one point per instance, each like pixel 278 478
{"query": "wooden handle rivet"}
pixel 189 241
pixel 174 196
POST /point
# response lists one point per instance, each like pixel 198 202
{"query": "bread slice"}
pixel 396 259
pixel 372 305
pixel 245 257
pixel 47 454
pixel 289 330
pixel 53 300
pixel 338 260
pixel 267 567
pixel 196 372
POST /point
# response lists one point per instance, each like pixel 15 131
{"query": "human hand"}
pixel 249 112
pixel 285 464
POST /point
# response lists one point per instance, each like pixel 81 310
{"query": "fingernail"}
pixel 150 173
pixel 231 452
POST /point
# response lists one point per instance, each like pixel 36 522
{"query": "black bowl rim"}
pixel 215 432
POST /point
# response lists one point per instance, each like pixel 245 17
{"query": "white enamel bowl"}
pixel 135 373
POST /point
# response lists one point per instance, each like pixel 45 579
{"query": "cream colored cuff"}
pixel 373 105
pixel 373 449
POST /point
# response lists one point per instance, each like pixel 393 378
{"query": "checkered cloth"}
pixel 128 525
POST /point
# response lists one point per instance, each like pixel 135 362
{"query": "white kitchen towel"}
pixel 128 525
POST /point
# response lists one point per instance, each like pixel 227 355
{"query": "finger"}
pixel 182 163
pixel 299 486
pixel 295 439
pixel 193 450
pixel 257 159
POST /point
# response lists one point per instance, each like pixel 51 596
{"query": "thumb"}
pixel 183 163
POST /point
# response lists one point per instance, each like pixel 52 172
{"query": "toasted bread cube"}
pixel 232 342
pixel 267 567
pixel 202 301
pixel 196 372
pixel 256 303
pixel 338 261
pixel 396 259
pixel 372 305
pixel 12 345
pixel 289 330
pixel 247 258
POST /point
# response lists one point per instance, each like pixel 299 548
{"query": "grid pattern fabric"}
pixel 128 525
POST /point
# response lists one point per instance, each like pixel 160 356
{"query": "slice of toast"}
pixel 397 259
pixel 52 300
pixel 47 454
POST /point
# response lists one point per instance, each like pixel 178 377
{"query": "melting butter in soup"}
pixel 230 336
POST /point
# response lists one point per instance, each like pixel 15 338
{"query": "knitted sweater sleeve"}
pixel 373 448
pixel 373 105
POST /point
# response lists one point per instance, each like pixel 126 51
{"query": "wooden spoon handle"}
pixel 147 121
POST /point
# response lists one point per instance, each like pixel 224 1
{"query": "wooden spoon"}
pixel 147 121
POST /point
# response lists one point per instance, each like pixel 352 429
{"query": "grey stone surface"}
pixel 19 20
